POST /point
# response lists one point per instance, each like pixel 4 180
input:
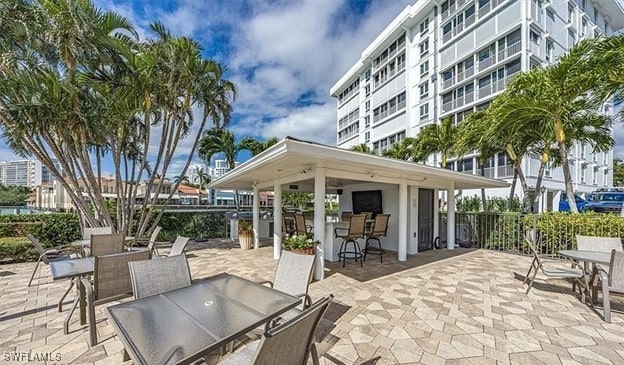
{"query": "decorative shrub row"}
pixel 50 229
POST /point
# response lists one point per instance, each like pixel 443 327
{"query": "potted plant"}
pixel 300 244
pixel 245 234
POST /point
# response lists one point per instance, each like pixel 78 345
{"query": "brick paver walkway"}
pixel 438 307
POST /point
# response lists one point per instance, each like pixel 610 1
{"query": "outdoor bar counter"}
pixel 332 243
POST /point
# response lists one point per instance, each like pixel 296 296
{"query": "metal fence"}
pixel 506 231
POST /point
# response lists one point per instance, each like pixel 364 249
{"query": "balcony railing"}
pixel 469 20
pixel 469 97
pixel 448 83
pixel 505 171
pixel 487 62
pixel 485 9
pixel 493 87
pixel 489 172
pixel 447 106
pixel 535 48
pixel 446 36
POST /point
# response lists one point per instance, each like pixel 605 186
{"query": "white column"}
pixel 450 218
pixel 256 216
pixel 412 233
pixel 403 221
pixel 436 213
pixel 319 222
pixel 277 220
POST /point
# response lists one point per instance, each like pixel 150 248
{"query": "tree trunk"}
pixel 483 198
pixel 512 191
pixel 567 176
pixel 526 207
pixel 540 176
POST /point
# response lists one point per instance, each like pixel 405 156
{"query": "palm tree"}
pixel 403 150
pixel 436 138
pixel 181 179
pixel 201 180
pixel 554 99
pixel 255 146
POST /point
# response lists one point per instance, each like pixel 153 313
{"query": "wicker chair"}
pixel 47 255
pixel 106 244
pixel 612 282
pixel 301 228
pixel 551 272
pixel 151 277
pixel 111 281
pixel 87 232
pixel 357 226
pixel 179 245
pixel 380 229
pixel 291 342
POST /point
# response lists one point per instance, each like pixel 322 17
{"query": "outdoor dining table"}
pixel 593 257
pixel 182 325
pixel 73 269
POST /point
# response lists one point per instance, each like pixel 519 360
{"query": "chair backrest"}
pixel 369 215
pixel 290 342
pixel 598 244
pixel 529 237
pixel 88 231
pixel 293 273
pixel 178 246
pixel 289 224
pixel 151 277
pixel 300 224
pixel 39 247
pixel 357 225
pixel 152 241
pixel 111 274
pixel 381 225
pixel 345 216
pixel 616 270
pixel 107 244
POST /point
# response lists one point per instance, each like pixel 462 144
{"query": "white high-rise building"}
pixel 21 173
pixel 193 172
pixel 441 59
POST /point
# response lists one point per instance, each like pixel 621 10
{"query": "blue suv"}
pixel 565 207
pixel 605 201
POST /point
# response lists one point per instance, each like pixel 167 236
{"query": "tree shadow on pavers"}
pixel 324 338
pixel 28 312
pixel 373 268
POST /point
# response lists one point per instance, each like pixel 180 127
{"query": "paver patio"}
pixel 453 307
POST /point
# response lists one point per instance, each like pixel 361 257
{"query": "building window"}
pixel 583 151
pixel 583 173
pixel 571 39
pixel 535 38
pixel 595 15
pixel 367 105
pixel 595 176
pixel 583 28
pixel 424 111
pixel 549 51
pixel 424 89
pixel 424 47
pixel 424 26
pixel 548 169
pixel 424 68
pixel 367 137
pixel 367 75
pixel 367 121
pixel 367 88
pixel 570 13
pixel 605 177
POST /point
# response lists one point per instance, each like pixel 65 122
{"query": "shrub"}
pixel 50 229
pixel 202 225
pixel 18 249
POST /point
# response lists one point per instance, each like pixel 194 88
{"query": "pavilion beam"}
pixel 319 222
pixel 371 177
pixel 403 221
pixel 277 220
pixel 256 216
pixel 450 218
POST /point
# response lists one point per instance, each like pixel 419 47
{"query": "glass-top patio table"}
pixel 182 325
pixel 593 257
pixel 74 270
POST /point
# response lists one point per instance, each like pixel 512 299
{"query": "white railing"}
pixel 401 105
pixel 469 71
pixel 485 91
pixel 447 83
pixel 483 64
pixel 469 98
pixel 484 10
pixel 447 106
pixel 535 48
pixel 513 49
pixel 458 28
pixel 470 20
pixel 446 36
pixel 459 102
pixel 489 172
pixel 505 171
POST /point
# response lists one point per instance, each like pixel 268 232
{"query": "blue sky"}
pixel 283 55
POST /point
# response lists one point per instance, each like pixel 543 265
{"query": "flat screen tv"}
pixel 367 201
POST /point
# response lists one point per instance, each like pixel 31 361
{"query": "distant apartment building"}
pixel 29 173
pixel 440 59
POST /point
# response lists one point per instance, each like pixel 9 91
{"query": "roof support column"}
pixel 277 220
pixel 256 216
pixel 450 218
pixel 319 222
pixel 403 220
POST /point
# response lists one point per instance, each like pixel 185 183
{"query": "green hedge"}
pixel 194 225
pixel 17 249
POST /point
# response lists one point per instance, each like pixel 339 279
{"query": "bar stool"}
pixel 357 225
pixel 380 228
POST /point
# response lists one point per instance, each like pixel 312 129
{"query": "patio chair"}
pixel 151 246
pixel 289 225
pixel 356 230
pixel 293 275
pixel 111 281
pixel 550 272
pixel 612 282
pixel 380 229
pixel 345 216
pixel 47 255
pixel 88 231
pixel 179 245
pixel 151 277
pixel 105 244
pixel 291 342
pixel 301 227
pixel 597 244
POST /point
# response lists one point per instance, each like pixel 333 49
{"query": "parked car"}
pixel 604 202
pixel 565 207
